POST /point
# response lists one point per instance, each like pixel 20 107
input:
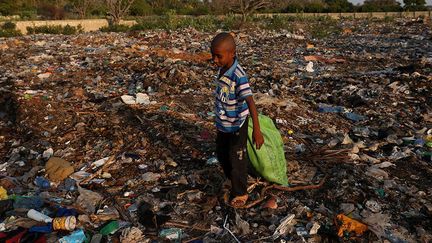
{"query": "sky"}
pixel 428 2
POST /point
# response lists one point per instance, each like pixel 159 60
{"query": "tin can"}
pixel 64 223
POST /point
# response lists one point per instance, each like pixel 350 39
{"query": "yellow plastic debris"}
pixel 350 225
pixel 3 193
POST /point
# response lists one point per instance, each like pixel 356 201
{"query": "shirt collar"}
pixel 232 69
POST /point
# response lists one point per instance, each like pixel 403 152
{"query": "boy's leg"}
pixel 222 152
pixel 239 160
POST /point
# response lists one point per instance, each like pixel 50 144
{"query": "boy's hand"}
pixel 258 138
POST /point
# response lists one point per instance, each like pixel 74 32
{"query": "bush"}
pixel 10 33
pixel 277 22
pixel 150 23
pixel 323 29
pixel 231 22
pixel 28 14
pixel 174 22
pixel 72 30
pixel 115 28
pixel 55 29
pixel 8 29
pixel 141 8
pixel 9 26
pixel 388 19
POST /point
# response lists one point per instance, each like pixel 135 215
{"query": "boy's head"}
pixel 223 49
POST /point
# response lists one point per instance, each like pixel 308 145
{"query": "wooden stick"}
pixel 107 164
pixel 180 225
pixel 278 187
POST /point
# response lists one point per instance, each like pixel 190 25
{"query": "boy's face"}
pixel 222 56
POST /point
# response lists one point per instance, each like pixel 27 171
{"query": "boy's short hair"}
pixel 226 38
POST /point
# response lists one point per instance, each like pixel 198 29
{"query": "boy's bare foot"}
pixel 239 201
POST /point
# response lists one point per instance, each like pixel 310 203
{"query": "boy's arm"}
pixel 257 135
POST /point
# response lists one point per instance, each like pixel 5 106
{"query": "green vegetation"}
pixel 323 29
pixel 72 9
pixel 8 29
pixel 115 28
pixel 55 29
pixel 415 5
pixel 317 27
pixel 381 6
pixel 174 22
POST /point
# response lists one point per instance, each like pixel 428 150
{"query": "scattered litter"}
pixel 128 99
pixel 285 226
pixel 351 107
pixel 58 169
pixel 77 236
pixel 310 67
pixel 349 225
pixel 99 163
pixel 150 177
pixel 173 234
pixel 88 200
pixel 212 161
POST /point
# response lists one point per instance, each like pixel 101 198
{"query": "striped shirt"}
pixel 231 109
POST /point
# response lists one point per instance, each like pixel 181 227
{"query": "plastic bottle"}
pixel 42 229
pixel 110 228
pixel 38 216
pixel 355 117
pixel 113 226
pixel 42 182
pixel 77 236
pixel 330 109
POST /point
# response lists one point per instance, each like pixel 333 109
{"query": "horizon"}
pixel 355 2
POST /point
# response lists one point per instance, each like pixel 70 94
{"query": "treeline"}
pixel 61 9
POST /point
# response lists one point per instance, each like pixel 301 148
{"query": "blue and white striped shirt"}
pixel 231 109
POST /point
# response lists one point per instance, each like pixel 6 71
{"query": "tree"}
pixel 8 7
pixel 308 6
pixel 248 7
pixel 381 6
pixel 141 8
pixel 314 6
pixel 220 6
pixel 338 6
pixel 415 4
pixel 117 9
pixel 81 7
pixel 294 6
pixel 52 9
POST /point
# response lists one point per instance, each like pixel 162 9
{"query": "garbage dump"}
pixel 109 136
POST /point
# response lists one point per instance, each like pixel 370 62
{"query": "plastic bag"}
pixel 269 161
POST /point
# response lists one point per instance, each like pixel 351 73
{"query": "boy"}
pixel 233 104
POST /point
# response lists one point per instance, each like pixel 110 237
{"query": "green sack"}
pixel 269 161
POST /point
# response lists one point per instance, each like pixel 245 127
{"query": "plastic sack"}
pixel 268 161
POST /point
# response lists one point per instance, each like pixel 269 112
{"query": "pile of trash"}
pixel 110 137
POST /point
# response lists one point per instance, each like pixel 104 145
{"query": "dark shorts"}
pixel 231 153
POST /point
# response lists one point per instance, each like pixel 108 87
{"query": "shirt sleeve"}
pixel 243 89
